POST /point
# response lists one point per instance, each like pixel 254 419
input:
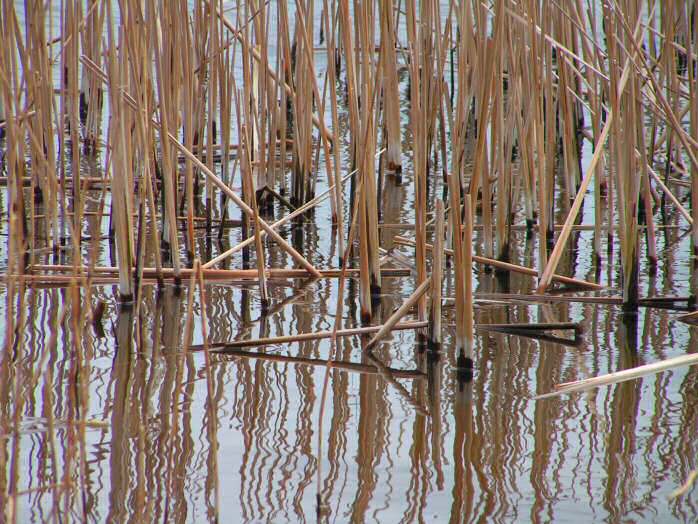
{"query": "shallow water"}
pixel 173 436
pixel 169 438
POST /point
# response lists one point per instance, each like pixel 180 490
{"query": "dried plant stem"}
pixel 436 278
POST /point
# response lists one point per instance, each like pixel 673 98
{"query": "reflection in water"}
pixel 109 419
pixel 129 427
pixel 112 420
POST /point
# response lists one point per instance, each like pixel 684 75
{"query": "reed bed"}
pixel 141 86
pixel 498 114
pixel 520 89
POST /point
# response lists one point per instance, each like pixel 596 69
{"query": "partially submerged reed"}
pixel 485 108
pixel 497 97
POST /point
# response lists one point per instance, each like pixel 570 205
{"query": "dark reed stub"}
pixel 464 368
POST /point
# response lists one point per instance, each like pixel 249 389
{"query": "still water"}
pixel 169 437
pixel 176 435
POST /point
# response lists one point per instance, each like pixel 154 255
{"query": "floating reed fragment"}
pixel 222 347
pixel 340 365
pixel 223 274
pixel 621 376
pixel 685 487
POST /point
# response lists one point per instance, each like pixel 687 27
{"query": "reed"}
pixel 391 92
pixel 169 137
pixel 437 263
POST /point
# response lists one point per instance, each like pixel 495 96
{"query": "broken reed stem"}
pixel 221 274
pixel 506 266
pixel 305 207
pixel 621 376
pixel 392 321
pixel 318 335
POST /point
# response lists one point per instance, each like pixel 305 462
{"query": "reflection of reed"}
pixel 464 454
pixel 621 485
pixel 126 426
pixel 162 459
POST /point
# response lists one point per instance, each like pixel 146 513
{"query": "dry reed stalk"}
pixel 691 29
pixel 365 200
pixel 186 112
pixel 502 137
pixel 338 216
pixel 226 79
pixel 420 40
pixel 370 87
pixel 623 141
pixel 137 41
pixel 391 93
pixel 44 175
pixel 621 376
pixel 594 94
pixel 549 129
pixel 346 31
pixel 216 273
pixel 318 335
pixel 537 39
pixel 259 248
pixel 167 97
pixel 646 190
pixel 209 69
pixel 507 266
pixel 392 321
pixel 303 75
pixel 121 163
pixel 579 199
pixel 92 96
pixel 14 154
pixel 467 349
pixel 306 34
pixel 436 279
pixel 71 18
